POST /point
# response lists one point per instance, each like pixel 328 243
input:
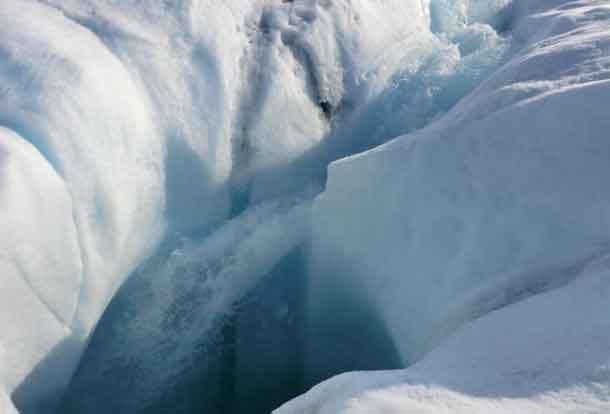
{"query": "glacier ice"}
pixel 167 330
pixel 547 354
pixel 420 77
pixel 187 139
pixel 501 199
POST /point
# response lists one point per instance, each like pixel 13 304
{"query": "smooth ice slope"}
pixel 503 198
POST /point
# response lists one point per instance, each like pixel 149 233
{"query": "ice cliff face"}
pixel 547 354
pixel 501 199
pixel 188 139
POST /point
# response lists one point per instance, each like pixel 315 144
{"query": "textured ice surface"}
pixel 501 199
pixel 73 195
pixel 155 118
pixel 165 335
pixel 6 405
pixel 123 124
pixel 309 61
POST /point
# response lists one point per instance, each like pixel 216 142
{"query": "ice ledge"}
pixel 499 200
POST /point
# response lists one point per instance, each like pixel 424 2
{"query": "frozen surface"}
pixel 80 172
pixel 125 126
pixel 110 110
pixel 547 354
pixel 501 199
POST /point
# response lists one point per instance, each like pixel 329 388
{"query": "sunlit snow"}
pixel 211 206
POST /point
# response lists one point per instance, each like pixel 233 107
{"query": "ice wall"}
pixel 502 198
pixel 520 359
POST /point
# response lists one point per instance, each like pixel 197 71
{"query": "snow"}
pixel 39 271
pixel 73 202
pixel 547 354
pixel 5 403
pixel 123 103
pixel 127 125
pixel 501 199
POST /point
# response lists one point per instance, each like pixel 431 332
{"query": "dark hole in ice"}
pixel 327 109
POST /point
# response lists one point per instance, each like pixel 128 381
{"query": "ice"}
pixel 501 199
pixel 88 176
pixel 416 80
pixel 547 354
pixel 133 129
pixel 449 16
pixel 247 101
pixel 167 331
pixel 5 403
pixel 39 271
pixel 62 97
